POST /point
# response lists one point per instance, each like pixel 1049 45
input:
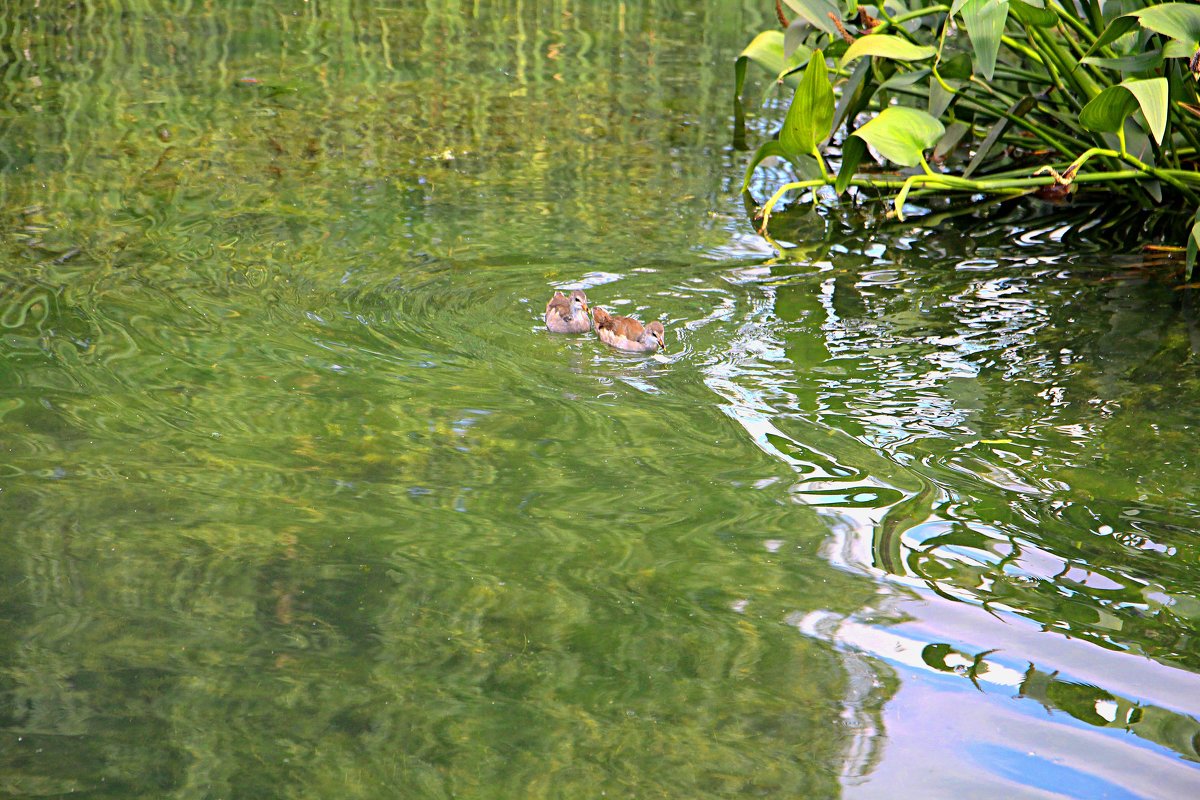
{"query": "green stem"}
pixel 1063 71
pixel 1177 178
pixel 821 164
pixel 1051 138
pixel 891 22
pixel 1020 74
pixel 951 183
pixel 1083 30
pixel 928 11
pixel 1044 134
pixel 1024 50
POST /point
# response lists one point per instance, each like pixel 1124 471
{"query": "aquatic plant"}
pixel 986 98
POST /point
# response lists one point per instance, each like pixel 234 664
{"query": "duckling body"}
pixel 625 333
pixel 568 314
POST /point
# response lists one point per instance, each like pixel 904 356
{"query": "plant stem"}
pixel 986 186
pixel 1083 30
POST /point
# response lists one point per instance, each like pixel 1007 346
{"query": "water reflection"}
pixel 965 433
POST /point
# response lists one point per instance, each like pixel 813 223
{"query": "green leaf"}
pixel 1136 63
pixel 766 50
pixel 1174 49
pixel 855 87
pixel 985 23
pixel 765 151
pixel 797 61
pixel 1178 21
pixel 1039 17
pixel 1115 30
pixel 793 37
pixel 954 134
pixel 881 46
pixel 1193 246
pixel 939 98
pixel 1107 111
pixel 817 12
pixel 955 72
pixel 1151 95
pixel 957 67
pixel 901 134
pixel 809 121
pixel 905 79
pixel 853 150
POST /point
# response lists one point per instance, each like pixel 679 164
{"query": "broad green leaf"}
pixel 985 23
pixel 957 67
pixel 1174 49
pixel 817 12
pixel 1151 95
pixel 766 50
pixel 853 150
pixel 1033 16
pixel 797 61
pixel 956 6
pixel 1107 111
pixel 901 134
pixel 809 121
pixel 1115 30
pixel 1178 21
pixel 1136 63
pixel 765 151
pixel 882 46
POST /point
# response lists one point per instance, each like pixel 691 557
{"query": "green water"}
pixel 299 499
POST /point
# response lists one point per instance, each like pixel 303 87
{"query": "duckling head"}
pixel 656 332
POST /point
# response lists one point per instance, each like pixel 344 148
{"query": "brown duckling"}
pixel 625 333
pixel 568 314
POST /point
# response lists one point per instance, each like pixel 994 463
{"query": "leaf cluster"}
pixel 988 98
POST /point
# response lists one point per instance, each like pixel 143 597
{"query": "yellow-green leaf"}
pixel 1107 111
pixel 1178 21
pixel 985 24
pixel 892 47
pixel 766 50
pixel 1151 96
pixel 901 134
pixel 810 119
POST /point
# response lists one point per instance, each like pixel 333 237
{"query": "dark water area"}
pixel 299 498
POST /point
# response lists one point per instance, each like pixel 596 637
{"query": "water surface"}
pixel 300 500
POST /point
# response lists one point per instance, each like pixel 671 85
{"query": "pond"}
pixel 300 499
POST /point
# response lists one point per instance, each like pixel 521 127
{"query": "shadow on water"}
pixel 301 500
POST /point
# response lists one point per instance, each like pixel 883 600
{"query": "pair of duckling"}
pixel 569 315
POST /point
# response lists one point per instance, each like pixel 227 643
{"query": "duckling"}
pixel 625 333
pixel 568 314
